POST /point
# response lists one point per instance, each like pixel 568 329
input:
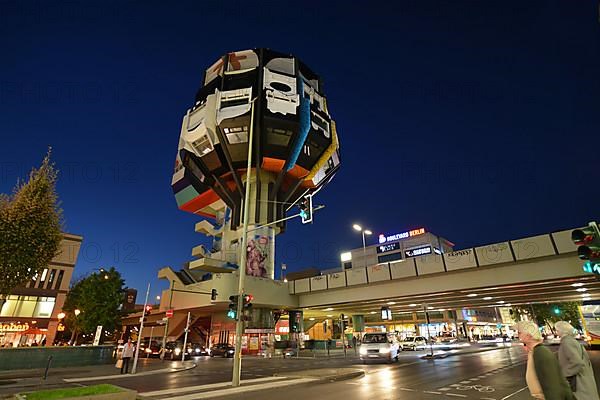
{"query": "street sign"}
pixel 169 313
pixel 98 334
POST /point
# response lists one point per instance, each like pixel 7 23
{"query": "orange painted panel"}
pixel 272 164
pixel 198 203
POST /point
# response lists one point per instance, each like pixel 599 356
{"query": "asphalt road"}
pixel 493 375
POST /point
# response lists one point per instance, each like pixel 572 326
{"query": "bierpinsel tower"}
pixel 272 106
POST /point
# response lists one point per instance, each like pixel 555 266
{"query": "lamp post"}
pixel 364 232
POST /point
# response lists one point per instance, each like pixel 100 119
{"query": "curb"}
pixel 125 376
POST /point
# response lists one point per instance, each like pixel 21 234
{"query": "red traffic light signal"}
pixel 148 309
pixel 248 298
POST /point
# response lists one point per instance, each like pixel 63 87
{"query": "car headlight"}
pixel 363 351
pixel 148 351
pixel 230 351
pixel 197 350
pixel 177 351
pixel 385 350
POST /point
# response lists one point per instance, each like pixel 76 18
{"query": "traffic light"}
pixel 247 307
pixel 556 310
pixel 306 209
pixel 232 312
pixel 588 241
pixel 148 309
pixel 213 294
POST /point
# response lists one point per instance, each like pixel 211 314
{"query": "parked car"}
pixel 381 346
pixel 413 343
pixel 222 349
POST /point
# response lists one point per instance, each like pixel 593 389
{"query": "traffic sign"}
pixel 169 313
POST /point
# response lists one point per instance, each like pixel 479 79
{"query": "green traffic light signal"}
pixel 587 240
pixel 556 310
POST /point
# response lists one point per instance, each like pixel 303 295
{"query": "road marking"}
pixel 407 389
pixel 243 389
pixel 444 389
pixel 455 395
pixel 186 389
pixel 487 398
pixel 425 391
pixel 512 394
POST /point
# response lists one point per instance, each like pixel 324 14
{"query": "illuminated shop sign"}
pixel 383 248
pixel 12 327
pixel 418 251
pixel 415 232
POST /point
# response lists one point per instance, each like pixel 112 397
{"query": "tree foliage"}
pixel 98 298
pixel 30 227
pixel 546 314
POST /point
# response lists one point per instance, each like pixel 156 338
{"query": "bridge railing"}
pixel 550 244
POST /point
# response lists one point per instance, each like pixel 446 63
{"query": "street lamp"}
pixel 364 232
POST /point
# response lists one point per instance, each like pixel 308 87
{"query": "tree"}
pixel 30 228
pixel 98 298
pixel 546 314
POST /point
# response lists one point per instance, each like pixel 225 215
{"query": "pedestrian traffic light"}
pixel 588 241
pixel 232 312
pixel 556 310
pixel 306 209
pixel 213 294
pixel 148 309
pixel 248 300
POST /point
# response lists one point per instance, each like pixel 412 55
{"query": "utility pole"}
pixel 239 325
pixel 137 348
pixel 164 341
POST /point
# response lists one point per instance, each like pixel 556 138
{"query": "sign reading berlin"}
pixel 415 232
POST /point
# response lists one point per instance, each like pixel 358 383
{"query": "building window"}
pixel 389 257
pixel 43 278
pixel 348 265
pixel 8 309
pixel 44 307
pixel 61 273
pixel 51 279
pixel 25 306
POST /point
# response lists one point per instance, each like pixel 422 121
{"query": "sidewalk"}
pixel 25 380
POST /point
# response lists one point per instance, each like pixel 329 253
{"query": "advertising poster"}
pixel 259 261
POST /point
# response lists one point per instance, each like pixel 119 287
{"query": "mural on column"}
pixel 295 152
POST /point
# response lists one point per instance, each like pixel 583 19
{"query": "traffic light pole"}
pixel 137 348
pixel 239 325
pixel 187 329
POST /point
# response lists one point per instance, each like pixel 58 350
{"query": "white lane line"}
pixel 209 386
pixel 465 382
pixel 486 398
pixel 425 391
pixel 456 395
pixel 512 394
pixel 242 389
pixel 407 389
pixel 444 389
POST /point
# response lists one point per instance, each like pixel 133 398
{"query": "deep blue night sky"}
pixel 471 119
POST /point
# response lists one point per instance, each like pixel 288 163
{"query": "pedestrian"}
pixel 575 363
pixel 126 355
pixel 544 377
pixel 354 341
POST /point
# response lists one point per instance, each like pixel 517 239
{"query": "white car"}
pixel 413 343
pixel 379 346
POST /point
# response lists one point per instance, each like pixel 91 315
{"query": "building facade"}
pixel 30 314
pixel 395 247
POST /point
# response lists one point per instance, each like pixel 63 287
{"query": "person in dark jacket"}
pixel 544 377
pixel 575 363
